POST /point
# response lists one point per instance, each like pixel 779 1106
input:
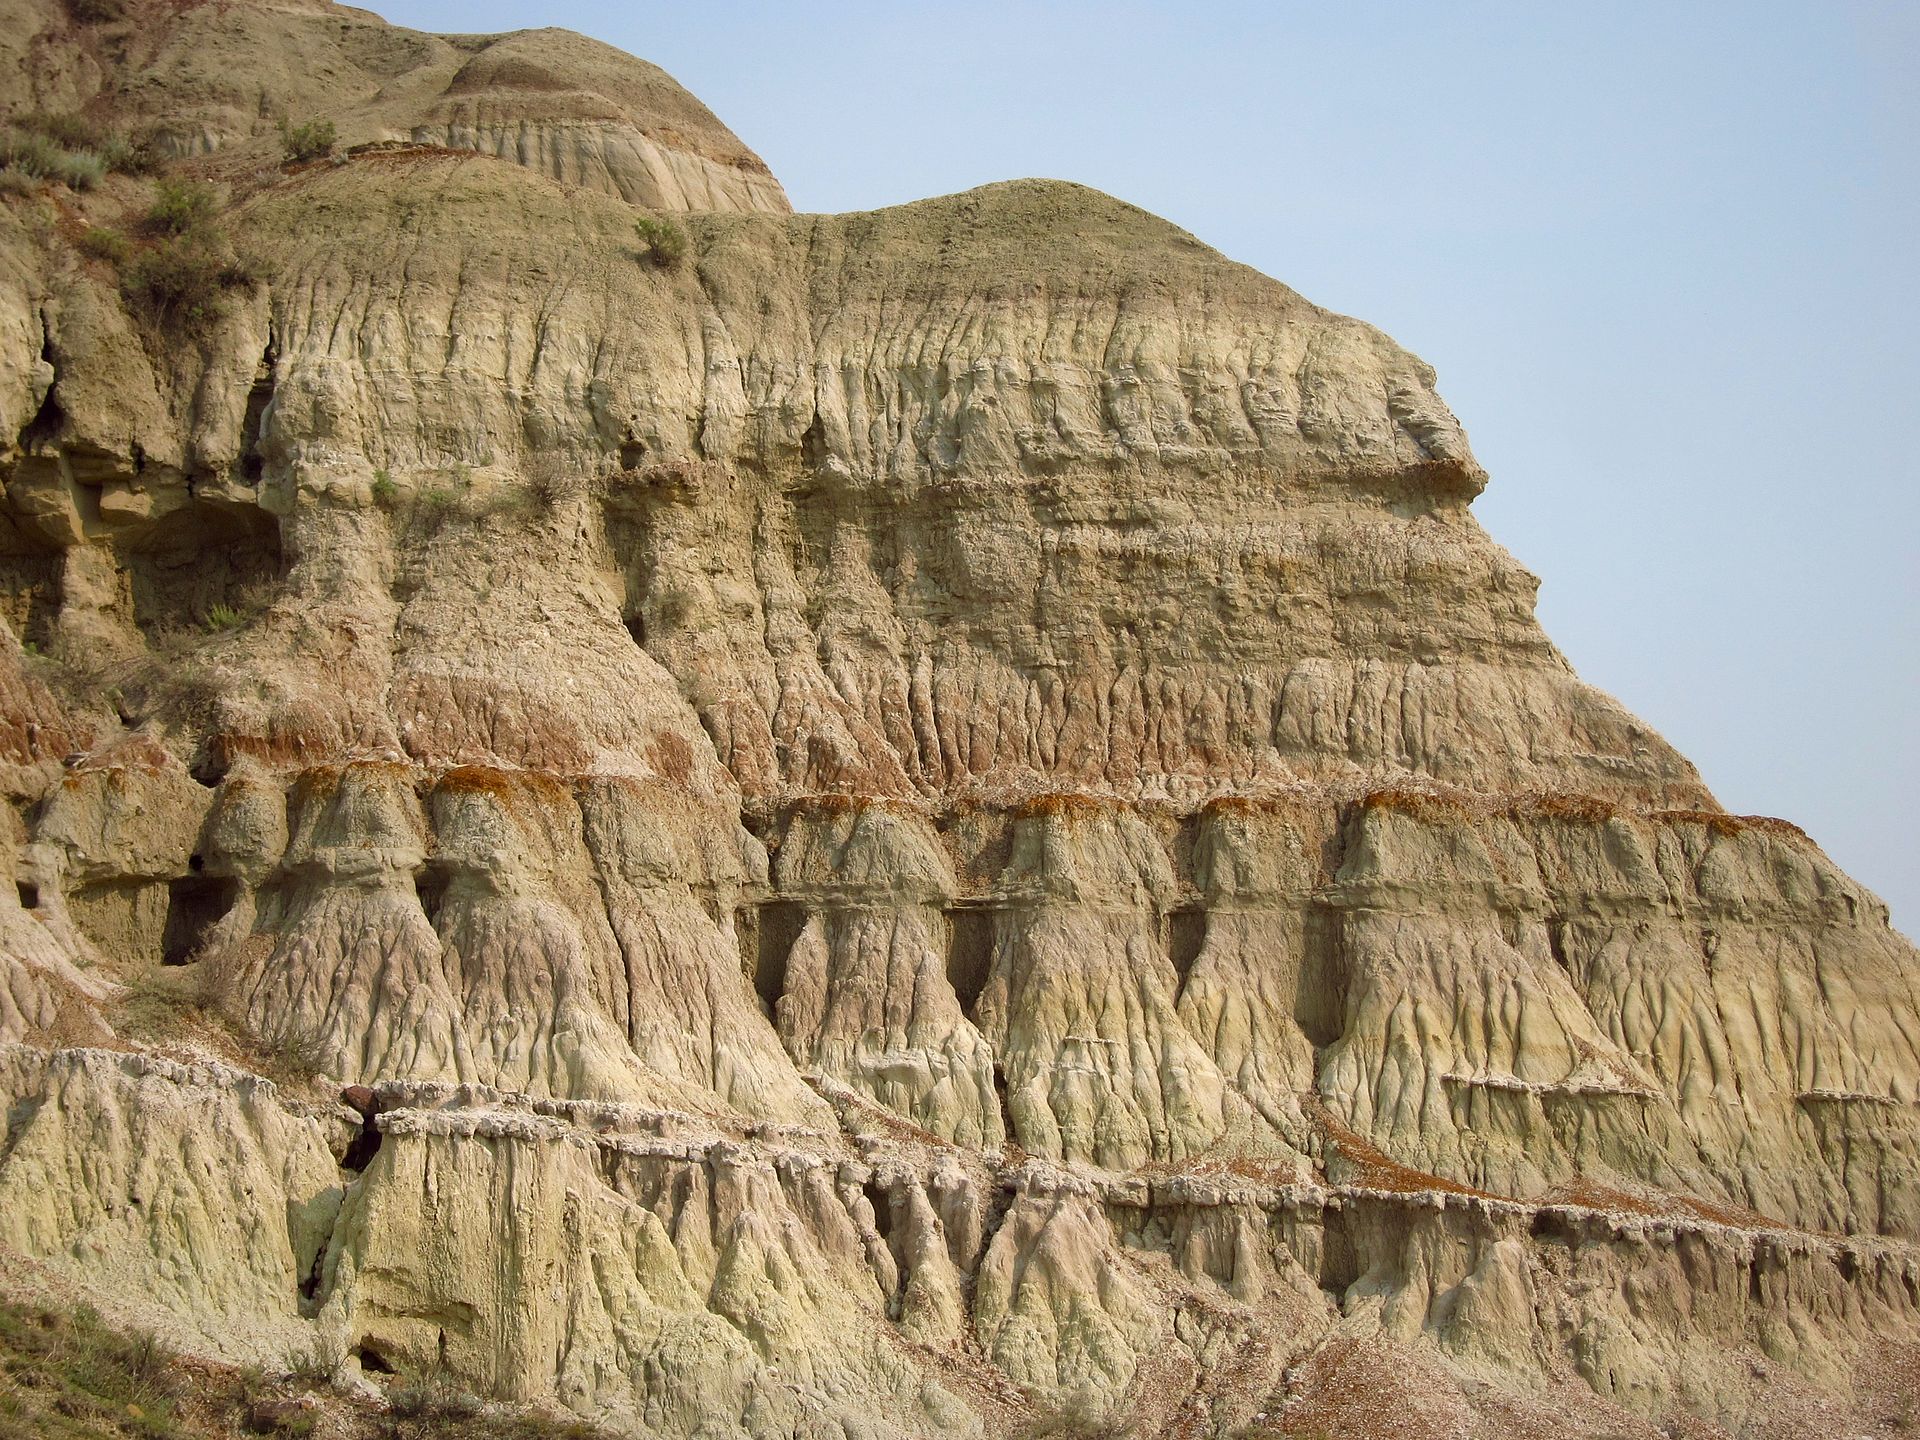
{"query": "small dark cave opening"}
pixel 195 905
pixel 813 444
pixel 1553 1227
pixel 29 894
pixel 1339 1260
pixel 360 1151
pixel 210 762
pixel 49 419
pixel 777 927
pixel 205 566
pixel 310 1282
pixel 1186 935
pixel 252 462
pixel 882 1204
pixel 969 953
pixel 430 887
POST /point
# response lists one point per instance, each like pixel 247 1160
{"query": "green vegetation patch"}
pixel 665 242
pixel 69 149
pixel 67 1375
pixel 309 140
pixel 182 276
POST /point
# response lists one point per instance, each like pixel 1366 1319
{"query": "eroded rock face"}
pixel 920 819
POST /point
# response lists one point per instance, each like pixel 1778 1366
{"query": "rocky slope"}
pixel 918 823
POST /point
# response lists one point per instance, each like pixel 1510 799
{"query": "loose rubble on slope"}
pixel 936 822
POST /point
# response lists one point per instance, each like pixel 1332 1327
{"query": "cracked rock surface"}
pixel 915 823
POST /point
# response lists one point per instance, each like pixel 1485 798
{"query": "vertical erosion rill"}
pixel 919 823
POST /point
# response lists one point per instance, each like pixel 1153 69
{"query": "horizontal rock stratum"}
pixel 936 822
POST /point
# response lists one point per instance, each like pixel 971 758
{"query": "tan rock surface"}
pixel 918 822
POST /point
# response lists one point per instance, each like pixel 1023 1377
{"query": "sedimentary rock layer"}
pixel 916 821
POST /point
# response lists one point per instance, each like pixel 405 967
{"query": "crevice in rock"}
pixel 1550 1227
pixel 1339 1261
pixel 877 1197
pixel 1186 935
pixel 1318 1001
pixel 310 1282
pixel 29 893
pixel 49 418
pixel 1557 939
pixel 253 464
pixel 999 1206
pixel 776 928
pixel 430 886
pixel 210 761
pixel 813 443
pixel 195 905
pixel 969 953
pixel 364 1146
pixel 1000 1099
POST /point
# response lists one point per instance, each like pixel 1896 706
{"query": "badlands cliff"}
pixel 936 822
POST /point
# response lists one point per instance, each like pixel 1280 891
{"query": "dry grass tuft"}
pixel 1729 826
pixel 1064 805
pixel 1430 806
pixel 1376 1170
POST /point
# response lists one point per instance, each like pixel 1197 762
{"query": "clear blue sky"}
pixel 1663 256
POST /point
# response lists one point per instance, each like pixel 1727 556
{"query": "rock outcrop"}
pixel 905 824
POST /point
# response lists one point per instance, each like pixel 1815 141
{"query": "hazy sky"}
pixel 1663 256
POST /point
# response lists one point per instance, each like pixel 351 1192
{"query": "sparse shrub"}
pixel 293 1057
pixel 551 481
pixel 70 131
pixel 434 1398
pixel 30 153
pixel 511 502
pixel 308 141
pixel 224 617
pixel 69 149
pixel 410 1402
pixel 77 1370
pixel 103 242
pixel 386 494
pixel 17 182
pixel 77 169
pixel 162 1002
pixel 183 275
pixel 666 242
pixel 181 207
pixel 183 279
pixel 319 1362
pixel 1074 1418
